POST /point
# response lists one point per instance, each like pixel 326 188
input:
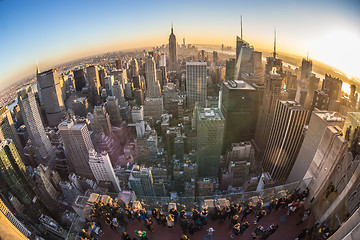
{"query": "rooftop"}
pixel 208 114
pixel 238 84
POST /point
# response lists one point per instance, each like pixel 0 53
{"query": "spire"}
pixel 274 53
pixel 307 55
pixel 172 28
pixel 241 27
pixel 37 68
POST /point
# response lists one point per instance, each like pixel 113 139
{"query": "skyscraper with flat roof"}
pixel 51 94
pixel 210 132
pixel 319 121
pixel 196 85
pixel 102 169
pixel 285 139
pixel 94 83
pixel 34 126
pixel 141 181
pixel 80 80
pixel 238 108
pixel 272 93
pixel 77 143
pixel 112 107
pixel 152 84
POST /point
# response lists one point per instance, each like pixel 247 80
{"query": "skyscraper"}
pixel 94 83
pixel 196 85
pixel 102 169
pixel 8 220
pixel 238 108
pixel 273 64
pixel 141 181
pixel 119 63
pixel 332 86
pixel 34 126
pixel 152 84
pixel 118 92
pixel 172 51
pixel 77 143
pixel 319 121
pixel 112 106
pixel 7 128
pixel 306 68
pixel 51 93
pixel 272 93
pixel 210 132
pixel 80 81
pixel 285 139
pixel 101 120
pixel 16 180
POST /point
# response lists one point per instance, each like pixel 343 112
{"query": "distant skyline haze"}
pixel 54 32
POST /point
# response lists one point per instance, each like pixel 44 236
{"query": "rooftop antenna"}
pixel 241 27
pixel 274 53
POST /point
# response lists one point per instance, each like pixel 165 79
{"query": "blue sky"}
pixel 52 32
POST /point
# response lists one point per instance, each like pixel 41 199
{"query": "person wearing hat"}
pixel 209 235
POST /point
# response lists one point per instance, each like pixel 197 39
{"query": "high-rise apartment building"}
pixel 238 108
pixel 152 84
pixel 319 121
pixel 285 139
pixel 196 85
pixel 34 126
pixel 77 143
pixel 51 94
pixel 7 128
pixel 102 169
pixel 172 51
pixel 210 131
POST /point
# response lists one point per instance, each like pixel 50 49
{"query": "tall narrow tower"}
pixel 152 84
pixel 196 85
pixel 51 93
pixel 172 50
pixel 77 142
pixel 285 139
pixel 34 126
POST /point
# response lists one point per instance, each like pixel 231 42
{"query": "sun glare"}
pixel 346 88
pixel 340 49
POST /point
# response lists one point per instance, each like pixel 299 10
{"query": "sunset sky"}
pixel 53 32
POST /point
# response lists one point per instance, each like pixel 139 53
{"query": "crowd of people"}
pixel 191 222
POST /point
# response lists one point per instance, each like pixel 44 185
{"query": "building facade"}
pixel 285 139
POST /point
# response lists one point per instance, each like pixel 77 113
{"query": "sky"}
pixel 53 32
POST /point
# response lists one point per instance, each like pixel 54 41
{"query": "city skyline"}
pixel 313 27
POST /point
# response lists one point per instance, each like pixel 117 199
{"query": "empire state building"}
pixel 172 50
